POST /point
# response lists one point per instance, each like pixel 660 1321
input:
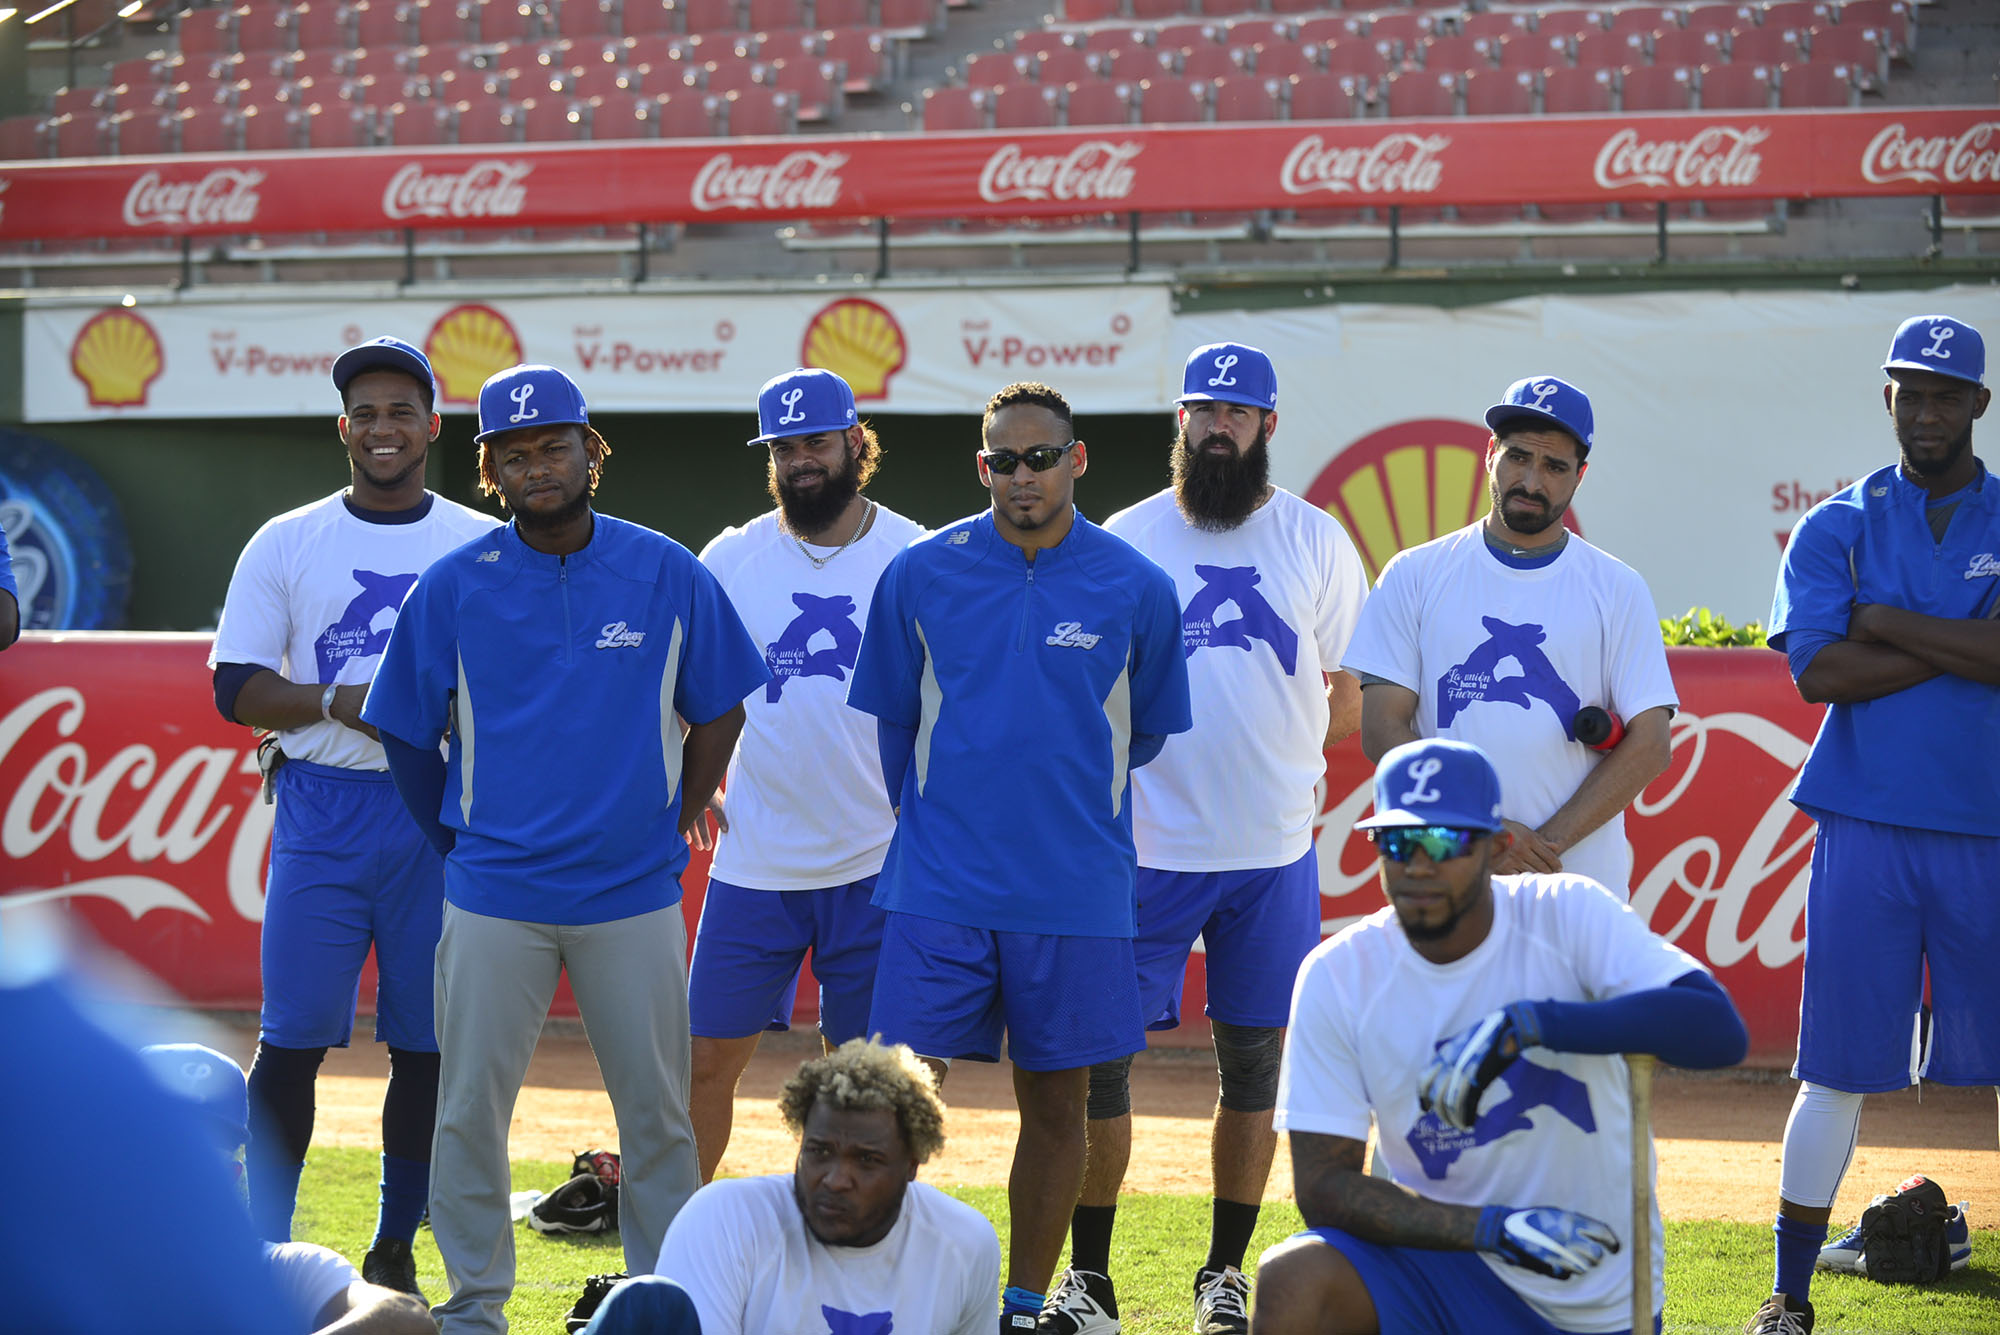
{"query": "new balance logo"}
pixel 617 637
pixel 486 558
pixel 1071 635
pixel 1983 566
pixel 959 538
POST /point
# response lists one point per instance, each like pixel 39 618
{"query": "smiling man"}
pixel 849 1242
pixel 1501 633
pixel 589 674
pixel 308 612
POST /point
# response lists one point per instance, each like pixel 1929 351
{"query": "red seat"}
pixel 845 13
pixel 1134 63
pixel 734 75
pixel 21 138
pixel 913 18
pixel 622 116
pixel 381 23
pixel 1031 42
pixel 1216 9
pixel 865 52
pixel 1451 51
pixel 335 124
pixel 1215 62
pixel 710 16
pixel 376 62
pixel 1644 18
pixel 1657 88
pixel 1420 93
pixel 415 124
pixel 584 20
pixel 1495 25
pixel 1027 106
pixel 138 70
pixel 1281 60
pixel 271 127
pixel 1568 91
pixel 991 69
pixel 265 88
pixel 687 115
pixel 209 129
pixel 1571 23
pixel 1065 64
pixel 1812 84
pixel 1331 29
pixel 1088 11
pixel 1150 10
pixel 552 119
pixel 437 59
pixel 649 18
pixel 1258 32
pixel 1326 97
pixel 1736 87
pixel 144 133
pixel 954 108
pixel 1187 36
pixel 1296 6
pixel 1721 18
pixel 264 28
pixel 773 15
pixel 1800 14
pixel 790 44
pixel 1103 41
pixel 818 87
pixel 1099 102
pixel 1860 49
pixel 487 120
pixel 65 100
pixel 1532 51
pixel 1249 98
pixel 206 33
pixel 80 134
pixel 1768 45
pixel 321 64
pixel 1365 59
pixel 1894 19
pixel 1610 50
pixel 1686 46
pixel 1405 27
pixel 765 112
pixel 1500 93
pixel 1170 101
pixel 443 23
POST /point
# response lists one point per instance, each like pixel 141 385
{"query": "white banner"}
pixel 1721 417
pixel 915 351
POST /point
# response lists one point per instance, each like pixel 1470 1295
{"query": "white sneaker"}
pixel 1081 1303
pixel 1222 1302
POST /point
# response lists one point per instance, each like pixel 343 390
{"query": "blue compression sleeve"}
pixel 898 745
pixel 1690 1022
pixel 230 679
pixel 419 775
pixel 1144 746
pixel 1801 645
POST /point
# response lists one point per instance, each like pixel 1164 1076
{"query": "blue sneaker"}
pixel 1958 1237
pixel 1843 1254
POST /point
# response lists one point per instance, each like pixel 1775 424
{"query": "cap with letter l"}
pixel 1938 343
pixel 1436 781
pixel 1229 373
pixel 528 395
pixel 209 1079
pixel 1552 399
pixel 383 353
pixel 803 402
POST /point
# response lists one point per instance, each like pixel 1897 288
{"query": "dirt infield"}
pixel 1717 1134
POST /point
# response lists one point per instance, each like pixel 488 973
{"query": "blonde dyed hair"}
pixel 864 1075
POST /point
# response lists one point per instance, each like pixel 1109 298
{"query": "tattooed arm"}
pixel 1335 1191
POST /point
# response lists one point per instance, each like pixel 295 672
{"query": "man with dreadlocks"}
pixel 589 674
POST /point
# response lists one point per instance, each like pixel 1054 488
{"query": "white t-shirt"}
pixel 314 597
pixel 1368 1013
pixel 804 791
pixel 1503 658
pixel 743 1252
pixel 308 1277
pixel 1267 608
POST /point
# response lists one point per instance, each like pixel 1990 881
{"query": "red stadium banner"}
pixel 125 798
pixel 1277 165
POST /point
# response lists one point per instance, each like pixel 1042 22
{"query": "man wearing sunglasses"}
pixel 1020 663
pixel 1270 587
pixel 1478 1020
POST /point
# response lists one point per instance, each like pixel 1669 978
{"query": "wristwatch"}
pixel 326 702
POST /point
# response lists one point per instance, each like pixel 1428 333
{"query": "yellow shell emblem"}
pixel 468 344
pixel 117 355
pixel 858 341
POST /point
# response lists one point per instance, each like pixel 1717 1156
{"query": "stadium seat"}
pixel 1249 97
pixel 1331 29
pixel 1495 24
pixel 776 15
pixel 734 75
pixel 415 124
pixel 66 100
pixel 1500 93
pixel 1657 88
pixel 1104 40
pixel 991 69
pixel 1281 60
pixel 80 134
pixel 335 124
pixel 1134 63
pixel 209 129
pixel 204 33
pixel 1720 18
pixel 270 127
pixel 1452 52
pixel 376 62
pixel 710 16
pixel 486 120
pixel 650 18
pixel 1089 11
pixel 264 28
pixel 1215 62
pixel 1571 91
pixel 1170 101
pixel 1063 65
pixel 1419 93
pixel 1611 50
pixel 1860 49
pixel 1187 36
pixel 1532 51
pixel 21 138
pixel 379 23
pixel 607 81
pixel 1099 102
pixel 1359 57
pixel 1643 18
pixel 686 115
pixel 766 112
pixel 1736 86
pixel 137 70
pixel 1812 84
pixel 1570 23
pixel 1799 14
pixel 265 88
pixel 444 23
pixel 552 118
pixel 1148 11
pixel 585 20
pixel 790 44
pixel 1894 19
pixel 954 108
pixel 866 54
pixel 818 87
pixel 1216 9
pixel 1297 6
pixel 430 60
pixel 1405 27
pixel 1768 45
pixel 1031 42
pixel 1258 32
pixel 145 133
pixel 321 64
pixel 1326 97
pixel 1688 46
pixel 845 14
pixel 913 19
pixel 1027 106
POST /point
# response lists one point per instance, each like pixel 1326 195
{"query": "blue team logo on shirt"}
pixel 1477 678
pixel 1255 618
pixel 354 635
pixel 792 654
pixel 849 1323
pixel 1529 1086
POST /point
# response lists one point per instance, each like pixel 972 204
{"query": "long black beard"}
pixel 1217 492
pixel 1528 526
pixel 806 515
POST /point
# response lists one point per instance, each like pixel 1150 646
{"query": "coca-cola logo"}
pixel 1093 169
pixel 489 188
pixel 1717 155
pixel 1966 158
pixel 1398 163
pixel 225 195
pixel 795 183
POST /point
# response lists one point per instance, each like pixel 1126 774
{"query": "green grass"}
pixel 1717 1273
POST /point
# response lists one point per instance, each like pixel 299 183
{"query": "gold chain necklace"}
pixel 819 562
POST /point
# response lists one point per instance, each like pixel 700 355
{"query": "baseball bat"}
pixel 1640 1064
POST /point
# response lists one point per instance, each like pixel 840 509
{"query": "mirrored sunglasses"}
pixel 1440 843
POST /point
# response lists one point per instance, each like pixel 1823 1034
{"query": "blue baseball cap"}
pixel 1554 400
pixel 528 395
pixel 1938 343
pixel 208 1078
pixel 804 402
pixel 1229 373
pixel 392 353
pixel 1436 781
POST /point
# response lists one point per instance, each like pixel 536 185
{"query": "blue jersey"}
pixel 559 679
pixel 1924 756
pixel 7 569
pixel 1024 684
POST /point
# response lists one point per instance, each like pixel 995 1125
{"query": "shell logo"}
pixel 468 344
pixel 117 355
pixel 1408 483
pixel 858 341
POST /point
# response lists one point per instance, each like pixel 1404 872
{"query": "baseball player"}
pixel 10 606
pixel 1502 633
pixel 308 612
pixel 1269 588
pixel 1020 664
pixel 589 673
pixel 1888 609
pixel 806 824
pixel 1478 1020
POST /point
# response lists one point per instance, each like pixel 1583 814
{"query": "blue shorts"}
pixel 1256 926
pixel 750 944
pixel 349 867
pixel 949 991
pixel 1885 901
pixel 1421 1292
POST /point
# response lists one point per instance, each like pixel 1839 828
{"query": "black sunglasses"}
pixel 1041 459
pixel 1440 843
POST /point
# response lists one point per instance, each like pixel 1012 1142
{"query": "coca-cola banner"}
pixel 127 799
pixel 1550 159
pixel 903 349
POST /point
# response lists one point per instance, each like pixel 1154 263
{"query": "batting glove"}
pixel 1544 1239
pixel 1451 1086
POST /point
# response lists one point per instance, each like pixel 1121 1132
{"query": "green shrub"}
pixel 1700 626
